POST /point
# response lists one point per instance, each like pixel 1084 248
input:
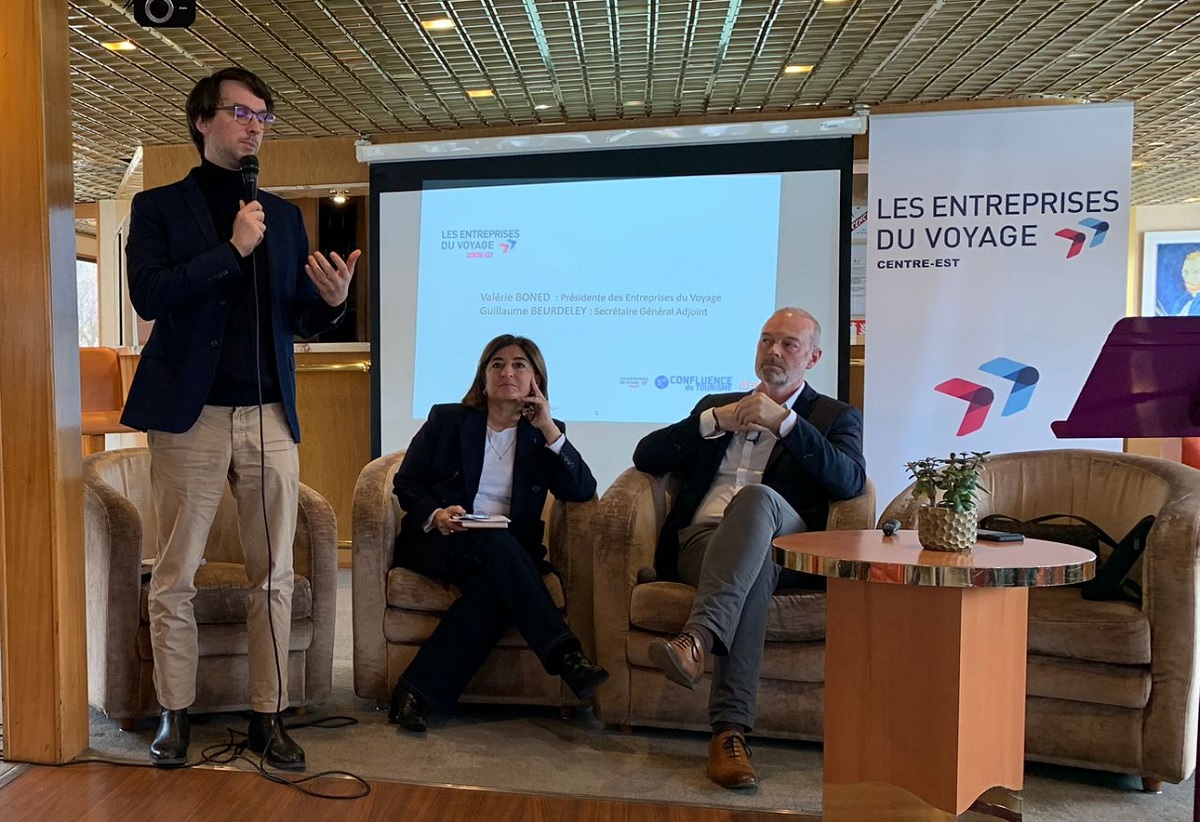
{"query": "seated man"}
pixel 750 467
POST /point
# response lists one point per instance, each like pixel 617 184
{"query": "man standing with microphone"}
pixel 227 278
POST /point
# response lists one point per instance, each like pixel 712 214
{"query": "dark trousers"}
pixel 732 566
pixel 501 586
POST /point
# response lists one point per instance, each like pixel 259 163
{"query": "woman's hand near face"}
pixel 537 411
pixel 443 519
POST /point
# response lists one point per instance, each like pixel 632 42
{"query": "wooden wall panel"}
pixel 43 637
pixel 310 211
pixel 333 399
pixel 312 161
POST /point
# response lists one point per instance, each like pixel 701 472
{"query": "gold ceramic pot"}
pixel 941 529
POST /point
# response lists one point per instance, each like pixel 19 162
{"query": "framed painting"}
pixel 1171 274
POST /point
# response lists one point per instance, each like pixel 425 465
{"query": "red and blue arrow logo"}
pixel 1099 229
pixel 1024 378
pixel 978 398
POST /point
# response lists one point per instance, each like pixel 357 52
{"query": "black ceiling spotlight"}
pixel 164 14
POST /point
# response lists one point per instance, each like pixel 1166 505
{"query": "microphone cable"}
pixel 249 169
pixel 329 722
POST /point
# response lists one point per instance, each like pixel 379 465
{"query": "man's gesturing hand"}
pixel 332 276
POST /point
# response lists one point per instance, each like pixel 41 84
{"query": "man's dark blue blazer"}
pixel 442 467
pixel 181 275
pixel 809 468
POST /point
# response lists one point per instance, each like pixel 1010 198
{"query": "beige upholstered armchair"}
pixel 629 614
pixel 1110 685
pixel 396 609
pixel 119 534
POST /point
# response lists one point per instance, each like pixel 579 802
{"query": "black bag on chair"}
pixel 1110 580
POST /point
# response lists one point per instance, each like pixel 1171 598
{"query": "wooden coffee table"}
pixel 924 666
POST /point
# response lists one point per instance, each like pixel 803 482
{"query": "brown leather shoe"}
pixel 729 762
pixel 681 658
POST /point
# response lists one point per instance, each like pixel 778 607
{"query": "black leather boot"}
pixel 267 736
pixel 405 709
pixel 582 675
pixel 169 748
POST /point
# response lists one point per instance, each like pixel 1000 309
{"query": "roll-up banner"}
pixel 997 261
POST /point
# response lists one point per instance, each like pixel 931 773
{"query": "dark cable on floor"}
pixel 227 753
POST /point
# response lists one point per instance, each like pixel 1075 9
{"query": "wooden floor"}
pixel 98 793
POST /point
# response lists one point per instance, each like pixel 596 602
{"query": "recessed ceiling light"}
pixel 438 24
pixel 481 92
pixel 541 106
pixel 1192 200
pixel 340 196
pixel 797 69
pixel 633 103
pixel 120 45
pixel 834 2
pixel 1137 163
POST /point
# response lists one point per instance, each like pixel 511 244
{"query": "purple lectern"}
pixel 1145 383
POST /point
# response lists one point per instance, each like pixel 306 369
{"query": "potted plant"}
pixel 948 487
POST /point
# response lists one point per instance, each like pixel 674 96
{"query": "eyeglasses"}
pixel 244 114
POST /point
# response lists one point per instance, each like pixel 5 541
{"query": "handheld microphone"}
pixel 250 177
pixel 890 527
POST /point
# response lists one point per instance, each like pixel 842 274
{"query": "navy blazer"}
pixel 181 275
pixel 444 462
pixel 809 468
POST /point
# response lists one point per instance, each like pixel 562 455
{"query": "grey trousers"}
pixel 188 474
pixel 731 565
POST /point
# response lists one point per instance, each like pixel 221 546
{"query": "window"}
pixel 87 287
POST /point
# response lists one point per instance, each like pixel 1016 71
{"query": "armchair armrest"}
pixel 904 508
pixel 1171 581
pixel 375 523
pixel 630 515
pixel 571 539
pixel 854 514
pixel 113 546
pixel 315 558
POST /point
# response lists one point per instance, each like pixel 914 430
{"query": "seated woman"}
pixel 497 452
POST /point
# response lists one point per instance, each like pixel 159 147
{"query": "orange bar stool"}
pixel 102 396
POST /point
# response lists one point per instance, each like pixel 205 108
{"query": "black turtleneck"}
pixel 235 382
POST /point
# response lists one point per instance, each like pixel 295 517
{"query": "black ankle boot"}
pixel 169 748
pixel 405 710
pixel 267 736
pixel 582 675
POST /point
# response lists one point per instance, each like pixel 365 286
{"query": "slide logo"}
pixel 695 382
pixel 1099 230
pixel 507 246
pixel 979 398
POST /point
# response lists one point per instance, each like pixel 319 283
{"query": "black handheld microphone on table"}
pixel 249 170
pixel 890 527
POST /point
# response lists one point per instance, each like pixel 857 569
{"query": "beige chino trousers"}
pixel 188 473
